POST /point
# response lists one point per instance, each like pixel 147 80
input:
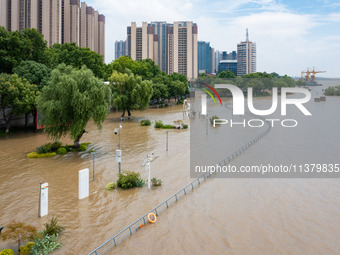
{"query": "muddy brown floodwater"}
pixel 222 216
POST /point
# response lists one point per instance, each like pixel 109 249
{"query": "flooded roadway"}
pixel 222 216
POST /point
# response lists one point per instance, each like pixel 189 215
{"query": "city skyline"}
pixel 59 21
pixel 290 36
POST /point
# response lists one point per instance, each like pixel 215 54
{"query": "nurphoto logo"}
pixel 239 108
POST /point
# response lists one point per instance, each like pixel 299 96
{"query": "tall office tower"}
pixel 183 49
pixel 212 60
pixel 70 21
pixel 246 57
pixel 217 60
pixel 204 57
pixel 161 29
pixel 142 43
pixel 120 49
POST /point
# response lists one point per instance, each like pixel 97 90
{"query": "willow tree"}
pixel 70 100
pixel 130 92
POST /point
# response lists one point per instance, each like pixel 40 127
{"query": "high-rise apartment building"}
pixel 70 21
pixel 142 43
pixel 183 49
pixel 246 57
pixel 120 49
pixel 173 47
pixel 60 21
pixel 161 29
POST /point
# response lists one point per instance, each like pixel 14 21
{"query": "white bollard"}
pixel 43 199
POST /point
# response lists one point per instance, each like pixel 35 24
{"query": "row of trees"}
pixel 66 83
pixel 262 83
pixel 332 91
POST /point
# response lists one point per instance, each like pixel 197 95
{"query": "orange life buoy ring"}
pixel 154 218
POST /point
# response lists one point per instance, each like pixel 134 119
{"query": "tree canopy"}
pixel 129 91
pixel 17 96
pixel 16 47
pixel 226 75
pixel 34 72
pixel 73 55
pixel 71 98
pixel 19 232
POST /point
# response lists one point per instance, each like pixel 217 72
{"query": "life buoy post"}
pixel 152 218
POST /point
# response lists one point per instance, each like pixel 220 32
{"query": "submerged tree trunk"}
pixel 129 113
pixel 123 114
pixel 19 243
pixel 34 113
pixel 76 142
pixel 7 126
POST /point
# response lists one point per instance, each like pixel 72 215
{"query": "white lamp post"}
pixel 118 152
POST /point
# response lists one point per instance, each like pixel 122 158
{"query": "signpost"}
pixel 43 199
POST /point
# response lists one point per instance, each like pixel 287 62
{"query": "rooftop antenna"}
pixel 146 163
pixel 247 36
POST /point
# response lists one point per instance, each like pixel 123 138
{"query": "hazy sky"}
pixel 290 35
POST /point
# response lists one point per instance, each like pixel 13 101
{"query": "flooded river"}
pixel 222 216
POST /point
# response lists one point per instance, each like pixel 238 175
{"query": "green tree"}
pixel 17 97
pixel 160 92
pixel 72 55
pixel 34 72
pixel 147 69
pixel 37 45
pixel 226 75
pixel 16 47
pixel 130 92
pixel 19 232
pixel 71 98
pixel 123 63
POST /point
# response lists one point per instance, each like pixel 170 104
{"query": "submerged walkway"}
pixel 139 223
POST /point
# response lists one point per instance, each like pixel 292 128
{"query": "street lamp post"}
pixel 118 152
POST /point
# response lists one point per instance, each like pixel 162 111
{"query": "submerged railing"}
pixel 135 226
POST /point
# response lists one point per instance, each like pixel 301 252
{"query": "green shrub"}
pixel 145 123
pixel 82 147
pixel 168 126
pixel 42 149
pixel 158 124
pixel 140 183
pixel 213 118
pixel 37 155
pixel 156 182
pixel 7 252
pixel 110 186
pixel 129 179
pixel 53 228
pixel 68 148
pixel 179 101
pixel 44 244
pixel 2 133
pixel 166 105
pixel 55 146
pixel 185 126
pixel 61 151
pixel 26 250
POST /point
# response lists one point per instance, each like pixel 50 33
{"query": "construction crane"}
pixel 309 74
